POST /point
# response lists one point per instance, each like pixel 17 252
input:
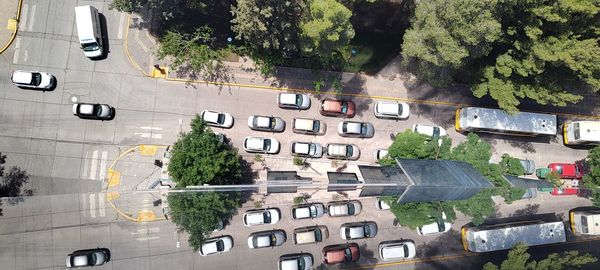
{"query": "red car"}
pixel 341 253
pixel 339 108
pixel 564 191
pixel 567 170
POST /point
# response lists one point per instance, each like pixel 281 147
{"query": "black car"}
pixel 88 257
pixel 93 111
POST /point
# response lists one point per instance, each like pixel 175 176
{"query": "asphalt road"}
pixel 67 155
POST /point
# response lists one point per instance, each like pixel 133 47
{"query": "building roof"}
pixel 275 180
pixel 521 182
pixel 342 178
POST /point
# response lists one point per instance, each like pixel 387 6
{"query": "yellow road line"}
pixel 134 63
pixel 14 34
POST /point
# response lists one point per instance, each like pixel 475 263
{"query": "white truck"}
pixel 89 31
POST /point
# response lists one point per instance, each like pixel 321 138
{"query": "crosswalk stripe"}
pixel 101 205
pixel 93 205
pixel 94 166
pixel 24 13
pixel 103 165
pixel 86 162
pixel 32 18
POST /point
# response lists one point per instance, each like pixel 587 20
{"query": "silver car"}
pixel 342 151
pixel 266 123
pixel 93 111
pixel 394 110
pixel 293 101
pixel 266 239
pixel 355 129
pixel 345 208
pixel 311 210
pixel 358 230
pixel 301 261
pixel 306 149
pixel 216 245
pixel 261 145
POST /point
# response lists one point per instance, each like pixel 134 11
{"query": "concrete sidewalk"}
pixel 9 13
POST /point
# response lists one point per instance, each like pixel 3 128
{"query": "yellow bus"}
pixel 581 133
pixel 498 121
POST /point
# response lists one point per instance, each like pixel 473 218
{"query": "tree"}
pixel 412 145
pixel 478 207
pixel 325 28
pixel 593 163
pixel 414 215
pixel 168 9
pixel 199 158
pixel 519 259
pixel 11 182
pixel 198 213
pixel 192 52
pixel 446 36
pixel 511 166
pixel 268 25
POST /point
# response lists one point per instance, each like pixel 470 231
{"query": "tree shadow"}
pixel 529 210
pixel 448 243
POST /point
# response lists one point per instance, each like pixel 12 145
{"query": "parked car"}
pixel 355 129
pixel 345 208
pixel 381 205
pixel 397 250
pixel 528 165
pixel 311 210
pixel 93 111
pixel 293 101
pixel 380 153
pixel 300 261
pixel 261 216
pixel 261 145
pixel 394 110
pixel 437 227
pixel 33 79
pixel 308 126
pixel 564 191
pixel 429 130
pixel 217 119
pixel 88 257
pixel 341 253
pixel 358 230
pixel 310 235
pixel 342 151
pixel 266 239
pixel 216 245
pixel 306 149
pixel 339 108
pixel 567 170
pixel 266 123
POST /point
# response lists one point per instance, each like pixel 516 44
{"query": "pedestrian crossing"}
pixel 96 203
pixel 95 165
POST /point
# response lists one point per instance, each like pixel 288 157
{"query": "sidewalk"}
pixel 9 10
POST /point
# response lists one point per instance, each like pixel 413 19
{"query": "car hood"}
pixel 46 80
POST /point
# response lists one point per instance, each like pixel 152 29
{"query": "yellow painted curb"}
pixel 112 196
pixel 12 25
pixel 148 150
pixel 14 34
pixel 114 178
pixel 146 215
pixel 163 73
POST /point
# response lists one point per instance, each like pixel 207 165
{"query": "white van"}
pixel 89 30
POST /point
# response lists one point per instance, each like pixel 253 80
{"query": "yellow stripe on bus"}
pixel 463 233
pixel 565 139
pixel 457 120
pixel 571 218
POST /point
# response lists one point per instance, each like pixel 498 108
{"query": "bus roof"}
pixel 480 239
pixel 589 130
pixel 495 119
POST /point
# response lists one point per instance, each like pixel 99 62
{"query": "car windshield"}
pixel 272 122
pixel 267 145
pixel 273 239
pixel 92 259
pixel 267 216
pixel 348 254
pixel 312 208
pixel 311 151
pixel 363 128
pixel 405 247
pixel 576 133
pixel 299 100
pixel 347 233
pixel 98 110
pixel 36 78
pixel 318 235
pixel 441 226
pixel 344 107
pixel 316 126
pixel 221 118
pixel 367 230
pixel 436 132
pixel 399 109
pixel 90 47
pixel 301 264
pixel 351 209
pixel 584 224
pixel 220 245
pixel 349 151
pixel 559 169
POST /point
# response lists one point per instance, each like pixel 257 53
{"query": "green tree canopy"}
pixel 519 259
pixel 199 158
pixel 511 166
pixel 271 25
pixel 198 213
pixel 593 163
pixel 325 28
pixel 414 215
pixel 409 144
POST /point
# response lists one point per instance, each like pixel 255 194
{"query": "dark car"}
pixel 88 257
pixel 93 111
pixel 338 108
pixel 341 253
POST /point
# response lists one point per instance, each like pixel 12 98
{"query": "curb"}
pixel 14 34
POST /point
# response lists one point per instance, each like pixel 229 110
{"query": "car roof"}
pixel 357 232
pixel 302 211
pixel 254 218
pixel 336 149
pixel 255 143
pixel 303 123
pixel 332 105
pixel 211 116
pixel 287 98
pixel 263 240
pixel 302 148
pixel 353 127
pixel 210 247
pixel 80 260
pixel 387 107
pixel 337 255
pixel 289 264
pixel 22 77
pixel 86 108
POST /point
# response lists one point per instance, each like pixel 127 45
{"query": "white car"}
pixel 217 119
pixel 397 250
pixel 88 257
pixel 261 216
pixel 301 261
pixel 380 153
pixel 359 230
pixel 438 227
pixel 261 145
pixel 342 151
pixel 355 129
pixel 305 149
pixel 33 79
pixel 266 239
pixel 381 205
pixel 429 130
pixel 312 210
pixel 342 209
pixel 266 123
pixel 395 110
pixel 216 245
pixel 93 111
pixel 293 101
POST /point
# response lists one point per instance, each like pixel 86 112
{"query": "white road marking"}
pixel 101 205
pixel 23 22
pixel 94 166
pixel 137 39
pixel 121 23
pixel 148 135
pixel 148 238
pixel 32 18
pixel 93 205
pixel 26 56
pixel 151 128
pixel 17 50
pixel 86 162
pixel 103 165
